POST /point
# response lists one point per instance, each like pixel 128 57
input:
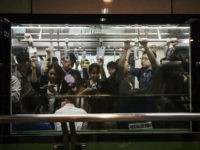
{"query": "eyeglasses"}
pixel 174 41
pixel 144 58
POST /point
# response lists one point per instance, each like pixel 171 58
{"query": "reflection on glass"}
pixel 123 69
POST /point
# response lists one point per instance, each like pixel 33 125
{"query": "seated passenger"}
pixel 29 105
pixel 74 87
pixel 68 107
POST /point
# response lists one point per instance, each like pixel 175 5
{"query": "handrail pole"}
pixel 65 134
pixel 73 135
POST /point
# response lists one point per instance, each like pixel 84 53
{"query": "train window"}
pixel 99 68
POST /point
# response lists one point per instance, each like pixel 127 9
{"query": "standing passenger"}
pixel 67 62
pixel 112 80
pixel 143 74
pixel 148 62
pixel 49 86
pixel 27 71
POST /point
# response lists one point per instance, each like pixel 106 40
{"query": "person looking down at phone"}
pixel 96 85
pixel 97 78
pixel 48 86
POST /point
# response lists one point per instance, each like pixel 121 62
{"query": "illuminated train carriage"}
pixel 99 67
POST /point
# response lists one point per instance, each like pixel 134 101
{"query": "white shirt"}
pixel 71 109
pixel 51 99
pixel 15 89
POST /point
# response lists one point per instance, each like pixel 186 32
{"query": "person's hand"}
pixel 87 90
pixel 34 63
pixel 127 45
pixel 185 77
pixel 143 42
pixel 51 88
pixel 48 51
pixel 100 62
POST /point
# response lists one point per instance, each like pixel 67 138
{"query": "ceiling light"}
pixel 104 11
pixel 107 1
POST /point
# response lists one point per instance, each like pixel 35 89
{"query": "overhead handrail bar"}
pixel 92 40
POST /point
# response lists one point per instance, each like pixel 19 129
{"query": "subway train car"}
pixel 119 81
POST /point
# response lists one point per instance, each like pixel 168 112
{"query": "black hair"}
pixel 54 59
pixel 22 57
pixel 117 61
pixel 112 64
pixel 70 57
pixel 30 102
pixel 92 66
pixel 58 70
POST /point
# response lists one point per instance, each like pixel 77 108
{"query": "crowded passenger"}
pixel 112 80
pixel 95 85
pixel 144 75
pixel 29 105
pixel 49 86
pixel 15 88
pixel 85 65
pixel 148 62
pixel 49 59
pixel 125 96
pixel 27 71
pixel 67 62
